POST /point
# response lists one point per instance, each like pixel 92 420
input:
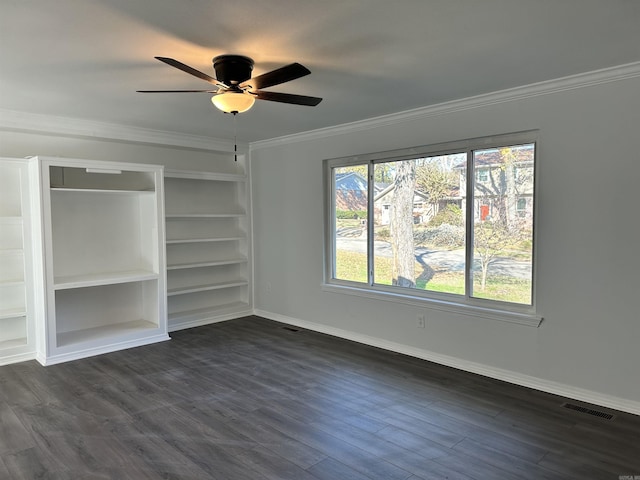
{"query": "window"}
pixel 521 207
pixel 430 235
pixel 482 175
pixel 350 204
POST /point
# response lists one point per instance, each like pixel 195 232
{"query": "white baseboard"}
pixel 20 357
pixel 509 376
pixel 206 320
pixel 91 352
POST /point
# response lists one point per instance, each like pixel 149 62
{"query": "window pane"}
pixel 419 235
pixel 350 187
pixel 503 224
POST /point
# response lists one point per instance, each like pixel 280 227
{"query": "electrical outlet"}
pixel 420 320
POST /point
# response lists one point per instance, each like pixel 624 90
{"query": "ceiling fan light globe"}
pixel 233 102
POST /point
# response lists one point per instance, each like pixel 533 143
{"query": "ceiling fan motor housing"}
pixel 232 69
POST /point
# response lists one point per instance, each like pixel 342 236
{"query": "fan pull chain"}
pixel 235 137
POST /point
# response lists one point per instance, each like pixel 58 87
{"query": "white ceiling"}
pixel 86 58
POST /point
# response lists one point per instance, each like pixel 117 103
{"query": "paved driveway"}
pixel 452 260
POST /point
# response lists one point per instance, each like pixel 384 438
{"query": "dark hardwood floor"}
pixel 251 399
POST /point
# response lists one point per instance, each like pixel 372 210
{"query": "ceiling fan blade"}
pixel 278 76
pixel 177 91
pixel 190 70
pixel 287 98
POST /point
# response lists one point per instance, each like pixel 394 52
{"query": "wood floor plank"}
pixel 409 441
pixel 13 434
pixel 330 469
pixel 13 389
pixel 579 466
pixel 151 452
pixel 4 473
pixel 251 399
pixel 509 463
pixel 425 469
pixel 344 452
pixel 272 439
pixel 423 426
pixel 26 465
pixel 274 466
pixel 476 468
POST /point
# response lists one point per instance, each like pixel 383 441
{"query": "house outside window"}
pixel 429 234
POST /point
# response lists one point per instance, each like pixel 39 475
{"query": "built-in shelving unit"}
pixel 207 244
pixel 17 323
pixel 91 263
pixel 104 259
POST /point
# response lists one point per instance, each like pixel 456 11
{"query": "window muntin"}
pixel 468 243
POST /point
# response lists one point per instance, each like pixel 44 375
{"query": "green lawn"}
pixel 353 266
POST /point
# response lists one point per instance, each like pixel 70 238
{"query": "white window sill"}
pixel 520 318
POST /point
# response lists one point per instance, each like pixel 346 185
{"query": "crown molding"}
pixel 11 120
pixel 582 80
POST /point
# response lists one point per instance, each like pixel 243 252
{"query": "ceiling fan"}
pixel 237 91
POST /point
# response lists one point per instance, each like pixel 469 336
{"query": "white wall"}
pixel 588 282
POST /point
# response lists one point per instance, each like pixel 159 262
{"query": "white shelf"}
pixel 214 263
pixel 97 279
pixel 101 190
pixel 211 176
pixel 205 287
pixel 10 220
pixel 212 311
pixel 205 230
pixel 12 251
pixel 205 215
pixel 105 333
pixel 12 313
pixel 18 282
pixel 178 241
pixel 11 344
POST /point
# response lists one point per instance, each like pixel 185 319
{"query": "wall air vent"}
pixel 595 413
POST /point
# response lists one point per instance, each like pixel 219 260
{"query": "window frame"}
pixel 454 303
